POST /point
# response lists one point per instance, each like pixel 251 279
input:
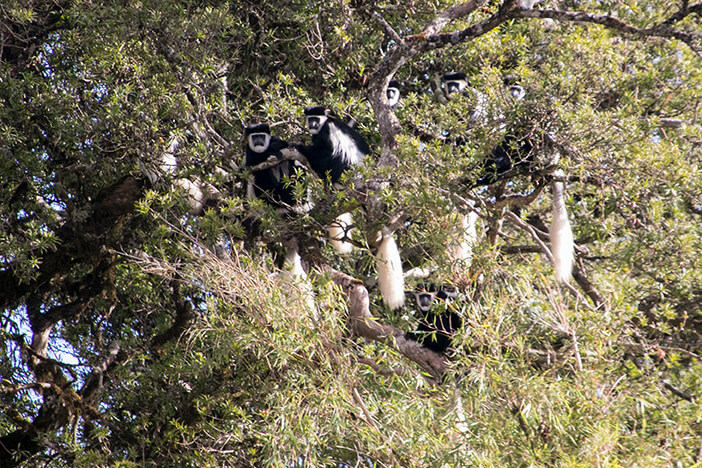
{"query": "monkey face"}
pixel 315 123
pixel 426 294
pixel 455 86
pixel 447 293
pixel 517 92
pixel 393 95
pixel 424 300
pixel 258 142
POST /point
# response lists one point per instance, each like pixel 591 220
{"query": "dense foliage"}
pixel 136 331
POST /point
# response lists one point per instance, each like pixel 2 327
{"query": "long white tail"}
pixel 390 278
pixel 462 240
pixel 166 165
pixel 560 233
pixel 338 230
pixel 296 276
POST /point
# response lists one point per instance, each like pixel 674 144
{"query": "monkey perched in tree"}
pixel 272 184
pixel 436 326
pixel 336 147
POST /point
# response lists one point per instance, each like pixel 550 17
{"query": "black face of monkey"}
pixel 316 117
pixel 454 83
pixel 259 142
pixel 315 123
pixel 453 87
pixel 426 294
pixel 258 137
pixel 393 93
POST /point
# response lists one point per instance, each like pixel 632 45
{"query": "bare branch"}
pixel 685 11
pixel 19 388
pixel 387 28
pixel 506 12
pixel 362 323
pixel 384 371
pixel 95 380
pixel 679 393
pixel 518 200
pixel 663 30
pixel 289 154
pixel 526 227
pixel 588 288
pixel 452 14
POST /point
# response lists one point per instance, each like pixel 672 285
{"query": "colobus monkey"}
pixel 512 85
pixel 560 233
pixel 454 83
pixel 515 151
pixel 457 83
pixel 393 93
pixel 335 148
pixel 436 327
pixel 271 184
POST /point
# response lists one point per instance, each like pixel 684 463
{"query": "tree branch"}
pixel 362 323
pixel 530 230
pixel 387 28
pixel 451 14
pixel 663 30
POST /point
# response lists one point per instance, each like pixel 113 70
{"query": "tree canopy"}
pixel 137 330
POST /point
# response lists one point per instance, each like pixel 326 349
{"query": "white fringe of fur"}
pixel 560 233
pixel 296 276
pixel 338 230
pixel 390 278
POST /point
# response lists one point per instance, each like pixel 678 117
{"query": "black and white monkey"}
pixel 272 184
pixel 275 185
pixel 455 84
pixel 438 320
pixel 511 83
pixel 517 151
pixel 336 147
pixel 392 93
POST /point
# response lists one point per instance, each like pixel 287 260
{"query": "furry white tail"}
pixel 463 238
pixel 560 233
pixel 197 193
pixel 338 230
pixel 390 278
pixel 295 275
